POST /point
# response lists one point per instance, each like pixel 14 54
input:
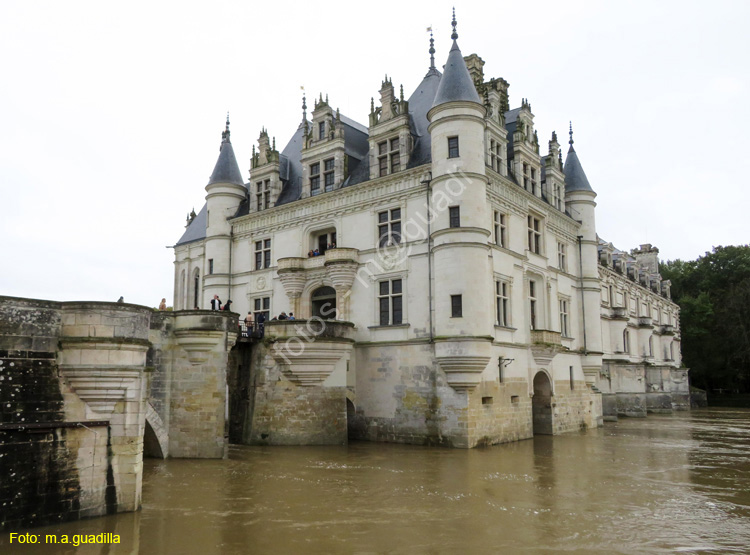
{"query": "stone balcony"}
pixel 645 322
pixel 545 344
pixel 546 337
pixel 308 350
pixel 667 329
pixel 339 254
pixel 619 313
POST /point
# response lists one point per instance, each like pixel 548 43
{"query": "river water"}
pixel 663 484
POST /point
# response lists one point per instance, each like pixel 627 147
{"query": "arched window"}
pixel 196 288
pixel 323 301
pixel 626 341
pixel 182 301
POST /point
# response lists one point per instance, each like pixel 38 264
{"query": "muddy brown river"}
pixel 664 484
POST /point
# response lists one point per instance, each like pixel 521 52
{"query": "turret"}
pixel 463 309
pixel 224 192
pixel 579 200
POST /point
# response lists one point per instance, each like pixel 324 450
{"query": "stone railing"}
pixel 308 350
pixel 338 254
pixel 667 329
pixel 620 313
pixel 548 337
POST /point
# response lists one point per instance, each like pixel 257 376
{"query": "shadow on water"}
pixel 656 485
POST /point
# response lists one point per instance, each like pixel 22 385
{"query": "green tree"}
pixel 714 297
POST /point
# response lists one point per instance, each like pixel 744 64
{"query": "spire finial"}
pixel 454 35
pixel 432 48
pixel 304 105
pixel 570 142
pixel 225 133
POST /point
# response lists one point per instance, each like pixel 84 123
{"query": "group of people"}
pixel 216 304
pixel 317 252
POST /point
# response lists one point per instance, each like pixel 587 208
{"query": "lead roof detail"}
pixel 575 177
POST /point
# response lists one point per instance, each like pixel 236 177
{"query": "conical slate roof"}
pixel 226 170
pixel 456 83
pixel 575 177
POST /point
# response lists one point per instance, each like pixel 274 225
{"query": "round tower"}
pixel 460 232
pixel 224 192
pixel 579 200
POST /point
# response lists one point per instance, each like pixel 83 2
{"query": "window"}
pixel 321 130
pixel 626 341
pixel 456 306
pixel 558 196
pixel 532 305
pixel 562 259
pixel 455 216
pixel 496 162
pixel 564 331
pixel 452 147
pixel 389 227
pixel 389 158
pixel 395 156
pixel 529 178
pixel 391 303
pixel 502 304
pixel 262 254
pixel 210 265
pixel 572 382
pixel 263 194
pixel 314 178
pixel 535 235
pixel 262 306
pixel 328 175
pixel 650 346
pixel 500 229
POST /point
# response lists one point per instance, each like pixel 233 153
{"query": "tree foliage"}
pixel 714 297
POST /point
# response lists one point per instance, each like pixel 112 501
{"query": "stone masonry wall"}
pixel 499 412
pixel 573 409
pixel 198 383
pixel 285 413
pixel 50 472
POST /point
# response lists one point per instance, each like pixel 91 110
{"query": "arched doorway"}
pixel 323 301
pixel 541 404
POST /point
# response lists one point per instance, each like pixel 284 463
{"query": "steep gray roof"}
pixel 196 230
pixel 420 102
pixel 575 177
pixel 226 169
pixel 456 83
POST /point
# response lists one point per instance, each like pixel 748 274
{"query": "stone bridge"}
pixel 89 388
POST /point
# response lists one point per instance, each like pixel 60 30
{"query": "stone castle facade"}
pixel 446 276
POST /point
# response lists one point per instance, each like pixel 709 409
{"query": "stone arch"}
pixel 323 302
pixel 313 282
pixel 155 436
pixel 355 425
pixel 541 404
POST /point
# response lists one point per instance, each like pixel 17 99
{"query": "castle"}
pixel 447 279
pixel 448 285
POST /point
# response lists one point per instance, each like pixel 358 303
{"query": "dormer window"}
pixel 495 160
pixel 263 194
pixel 529 178
pixel 328 175
pixel 321 130
pixel 314 178
pixel 389 157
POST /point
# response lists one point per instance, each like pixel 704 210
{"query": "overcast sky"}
pixel 111 114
